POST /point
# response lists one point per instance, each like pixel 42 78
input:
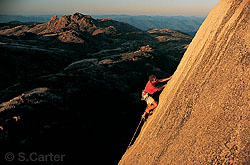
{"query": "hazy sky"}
pixel 132 7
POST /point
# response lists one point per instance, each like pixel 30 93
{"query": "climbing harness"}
pixel 134 134
pixel 144 95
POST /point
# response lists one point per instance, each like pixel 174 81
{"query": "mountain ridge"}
pixel 76 25
pixel 186 24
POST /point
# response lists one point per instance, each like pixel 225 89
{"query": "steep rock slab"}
pixel 203 115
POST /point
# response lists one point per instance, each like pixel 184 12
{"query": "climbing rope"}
pixel 134 133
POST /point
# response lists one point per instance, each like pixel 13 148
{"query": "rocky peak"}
pixel 64 21
pixel 77 16
pixel 77 22
pixel 73 28
pixel 53 20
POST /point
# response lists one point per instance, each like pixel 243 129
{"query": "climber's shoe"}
pixel 144 116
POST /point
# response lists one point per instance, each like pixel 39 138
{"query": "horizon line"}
pixel 61 14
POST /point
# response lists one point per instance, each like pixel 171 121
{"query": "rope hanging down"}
pixel 134 133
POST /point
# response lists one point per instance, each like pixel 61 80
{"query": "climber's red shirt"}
pixel 150 88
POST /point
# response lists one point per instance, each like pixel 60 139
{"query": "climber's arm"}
pixel 162 87
pixel 165 79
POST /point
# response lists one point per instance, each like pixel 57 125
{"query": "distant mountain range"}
pixel 25 18
pixel 186 24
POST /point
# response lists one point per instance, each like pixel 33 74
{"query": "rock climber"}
pixel 149 90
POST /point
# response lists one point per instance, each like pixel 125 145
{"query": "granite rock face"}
pixel 203 116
